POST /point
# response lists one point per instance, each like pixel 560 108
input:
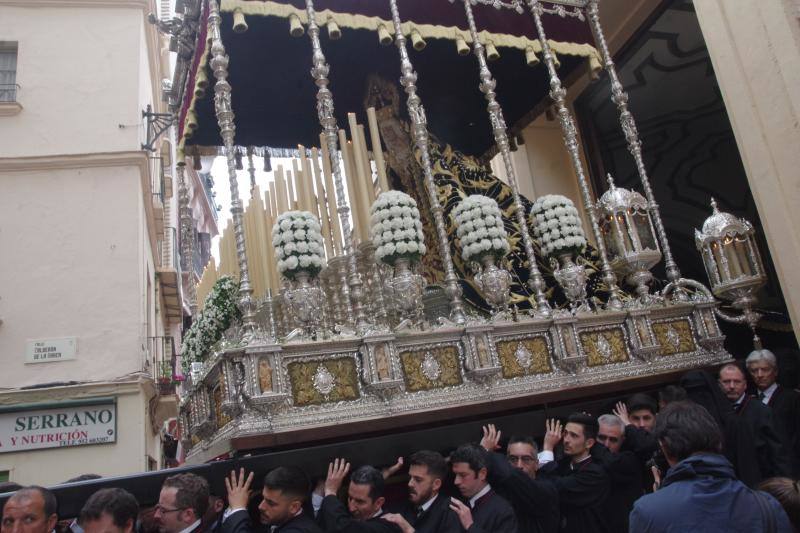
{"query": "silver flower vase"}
pixel 572 279
pixel 405 287
pixel 304 300
pixel 495 283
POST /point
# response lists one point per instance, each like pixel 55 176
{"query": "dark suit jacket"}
pixel 582 494
pixel 643 445
pixel 785 405
pixel 335 518
pixel 535 501
pixel 773 459
pixel 493 514
pixel 439 518
pixel 239 522
pixel 625 472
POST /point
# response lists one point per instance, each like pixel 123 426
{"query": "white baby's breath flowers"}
pixel 297 239
pixel 396 229
pixel 556 224
pixel 480 228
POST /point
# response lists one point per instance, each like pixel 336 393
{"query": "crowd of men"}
pixel 707 457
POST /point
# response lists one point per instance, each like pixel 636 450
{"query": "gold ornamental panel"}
pixel 217 399
pixel 605 346
pixel 675 336
pixel 431 368
pixel 324 381
pixel 524 357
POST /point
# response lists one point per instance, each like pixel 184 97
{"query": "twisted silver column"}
pixel 327 120
pixel 186 233
pixel 487 86
pixel 251 169
pixel 558 94
pixel 420 133
pixel 628 124
pixel 224 112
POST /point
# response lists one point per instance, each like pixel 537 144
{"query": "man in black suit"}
pixel 30 509
pixel 181 504
pixel 785 403
pixel 285 490
pixel 583 484
pixel 639 416
pixel 535 501
pixel 485 510
pixel 429 511
pixel 364 511
pixel 622 466
pixel 773 460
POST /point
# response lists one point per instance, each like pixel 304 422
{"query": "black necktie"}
pixel 761 396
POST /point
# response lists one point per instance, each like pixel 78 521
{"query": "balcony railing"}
pixel 160 362
pixel 8 92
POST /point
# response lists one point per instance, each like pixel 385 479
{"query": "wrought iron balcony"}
pixel 168 268
pixel 160 362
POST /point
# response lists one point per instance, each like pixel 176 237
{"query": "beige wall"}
pixel 756 57
pixel 135 438
pixel 78 69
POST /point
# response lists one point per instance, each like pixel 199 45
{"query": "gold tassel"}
pixel 384 37
pixel 491 52
pixel 333 30
pixel 417 41
pixel 191 121
pixel 531 59
pixel 461 46
pixel 239 23
pixel 295 26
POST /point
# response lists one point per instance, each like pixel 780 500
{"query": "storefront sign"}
pixel 70 423
pixel 50 350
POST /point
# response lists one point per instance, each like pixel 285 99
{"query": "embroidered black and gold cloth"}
pixel 458 176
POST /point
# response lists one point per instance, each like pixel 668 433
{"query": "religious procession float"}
pixel 386 278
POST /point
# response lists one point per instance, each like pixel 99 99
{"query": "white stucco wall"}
pixel 78 69
pixel 70 245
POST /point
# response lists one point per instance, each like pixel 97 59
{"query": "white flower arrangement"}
pixel 557 225
pixel 297 239
pixel 480 228
pixel 219 310
pixel 396 228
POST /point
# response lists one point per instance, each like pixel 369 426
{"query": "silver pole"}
pixel 420 133
pixel 628 124
pixel 186 232
pixel 487 87
pixel 558 93
pixel 251 169
pixel 224 112
pixel 327 120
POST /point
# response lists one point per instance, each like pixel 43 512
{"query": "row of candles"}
pixel 306 184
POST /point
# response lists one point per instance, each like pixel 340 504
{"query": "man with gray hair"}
pixel 624 469
pixel 785 403
pixel 30 510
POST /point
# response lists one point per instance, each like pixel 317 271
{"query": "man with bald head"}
pixel 30 510
pixel 772 457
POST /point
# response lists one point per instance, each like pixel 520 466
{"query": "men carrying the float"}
pixel 535 501
pixel 773 460
pixel 429 511
pixel 485 510
pixel 30 510
pixel 785 403
pixel 583 485
pixel 281 509
pixel 110 511
pixel 365 501
pixel 623 468
pixel 181 504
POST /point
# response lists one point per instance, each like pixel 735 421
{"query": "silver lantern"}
pixel 629 235
pixel 733 264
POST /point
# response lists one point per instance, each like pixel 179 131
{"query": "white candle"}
pixel 377 151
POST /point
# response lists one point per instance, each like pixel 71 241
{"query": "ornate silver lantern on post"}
pixel 630 237
pixel 733 265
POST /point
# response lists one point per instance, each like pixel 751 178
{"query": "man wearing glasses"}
pixel 182 503
pixel 535 501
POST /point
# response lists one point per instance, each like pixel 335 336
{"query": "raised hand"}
pixel 392 470
pixel 553 434
pixel 238 488
pixel 622 412
pixel 463 512
pixel 337 471
pixel 491 438
pixel 399 521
